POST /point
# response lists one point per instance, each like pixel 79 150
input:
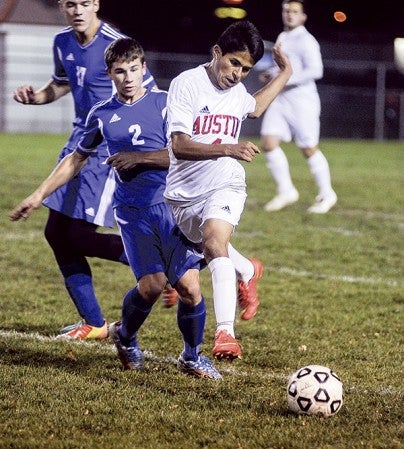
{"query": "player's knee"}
pixel 151 287
pixel 214 247
pixel 189 289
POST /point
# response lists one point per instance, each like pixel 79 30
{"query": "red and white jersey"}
pixel 209 115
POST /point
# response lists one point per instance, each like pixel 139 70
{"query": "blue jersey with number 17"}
pixel 89 195
pixel 140 126
pixel 83 68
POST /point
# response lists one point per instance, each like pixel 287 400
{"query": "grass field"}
pixel 332 294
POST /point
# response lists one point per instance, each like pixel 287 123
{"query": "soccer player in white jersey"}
pixel 295 114
pixel 134 126
pixel 206 182
pixel 77 209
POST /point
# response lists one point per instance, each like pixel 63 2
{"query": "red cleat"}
pixel 170 296
pixel 226 347
pixel 83 331
pixel 247 292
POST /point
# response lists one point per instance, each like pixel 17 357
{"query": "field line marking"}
pixel 103 348
pixel 343 278
pixel 25 235
pixel 396 217
pixel 33 235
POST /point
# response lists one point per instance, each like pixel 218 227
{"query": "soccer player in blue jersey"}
pixel 77 209
pixel 133 123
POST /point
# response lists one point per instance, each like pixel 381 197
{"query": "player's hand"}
pixel 124 160
pixel 24 94
pixel 26 207
pixel 280 58
pixel 244 151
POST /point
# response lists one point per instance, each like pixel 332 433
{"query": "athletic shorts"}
pixel 88 196
pixel 226 205
pixel 289 117
pixel 154 243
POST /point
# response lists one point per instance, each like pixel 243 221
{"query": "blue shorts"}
pixel 154 243
pixel 88 196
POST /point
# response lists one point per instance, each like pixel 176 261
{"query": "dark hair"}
pixel 242 36
pixel 123 49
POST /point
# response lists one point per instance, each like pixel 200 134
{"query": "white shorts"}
pixel 226 205
pixel 293 118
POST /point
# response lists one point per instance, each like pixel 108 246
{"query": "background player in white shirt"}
pixel 295 114
pixel 206 183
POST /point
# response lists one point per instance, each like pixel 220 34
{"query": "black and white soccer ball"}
pixel 315 390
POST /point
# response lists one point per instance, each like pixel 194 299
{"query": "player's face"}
pixel 293 15
pixel 128 78
pixel 229 69
pixel 80 14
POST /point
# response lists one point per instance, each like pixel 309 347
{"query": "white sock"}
pixel 224 293
pixel 278 165
pixel 244 268
pixel 320 170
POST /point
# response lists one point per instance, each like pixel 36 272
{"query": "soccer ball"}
pixel 315 390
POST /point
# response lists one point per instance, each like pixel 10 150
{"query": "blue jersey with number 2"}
pixel 140 126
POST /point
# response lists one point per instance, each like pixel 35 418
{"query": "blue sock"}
pixel 79 284
pixel 191 322
pixel 134 312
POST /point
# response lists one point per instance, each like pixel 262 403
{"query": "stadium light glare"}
pixel 230 13
pixel 340 16
pixel 399 53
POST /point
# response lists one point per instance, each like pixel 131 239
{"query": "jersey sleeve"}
pixel 311 63
pixel 148 79
pixel 92 136
pixel 180 107
pixel 59 73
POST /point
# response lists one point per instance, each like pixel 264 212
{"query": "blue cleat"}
pixel 203 367
pixel 130 356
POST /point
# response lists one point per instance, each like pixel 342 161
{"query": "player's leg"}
pixel 191 317
pixel 142 247
pixel 307 135
pixel 77 277
pixel 248 271
pixel 183 266
pixel 184 261
pixel 319 168
pixel 136 307
pixel 216 238
pixel 274 128
pixel 90 243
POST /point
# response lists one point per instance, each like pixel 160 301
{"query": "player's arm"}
pixel 185 148
pixel 312 66
pixel 125 160
pixel 48 93
pixel 267 94
pixel 65 170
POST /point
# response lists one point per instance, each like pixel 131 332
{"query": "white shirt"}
pixel 295 112
pixel 304 55
pixel 209 115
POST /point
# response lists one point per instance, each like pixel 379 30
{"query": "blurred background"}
pixel 362 90
pixel 191 26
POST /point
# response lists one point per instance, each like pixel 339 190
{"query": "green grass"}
pixel 332 294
